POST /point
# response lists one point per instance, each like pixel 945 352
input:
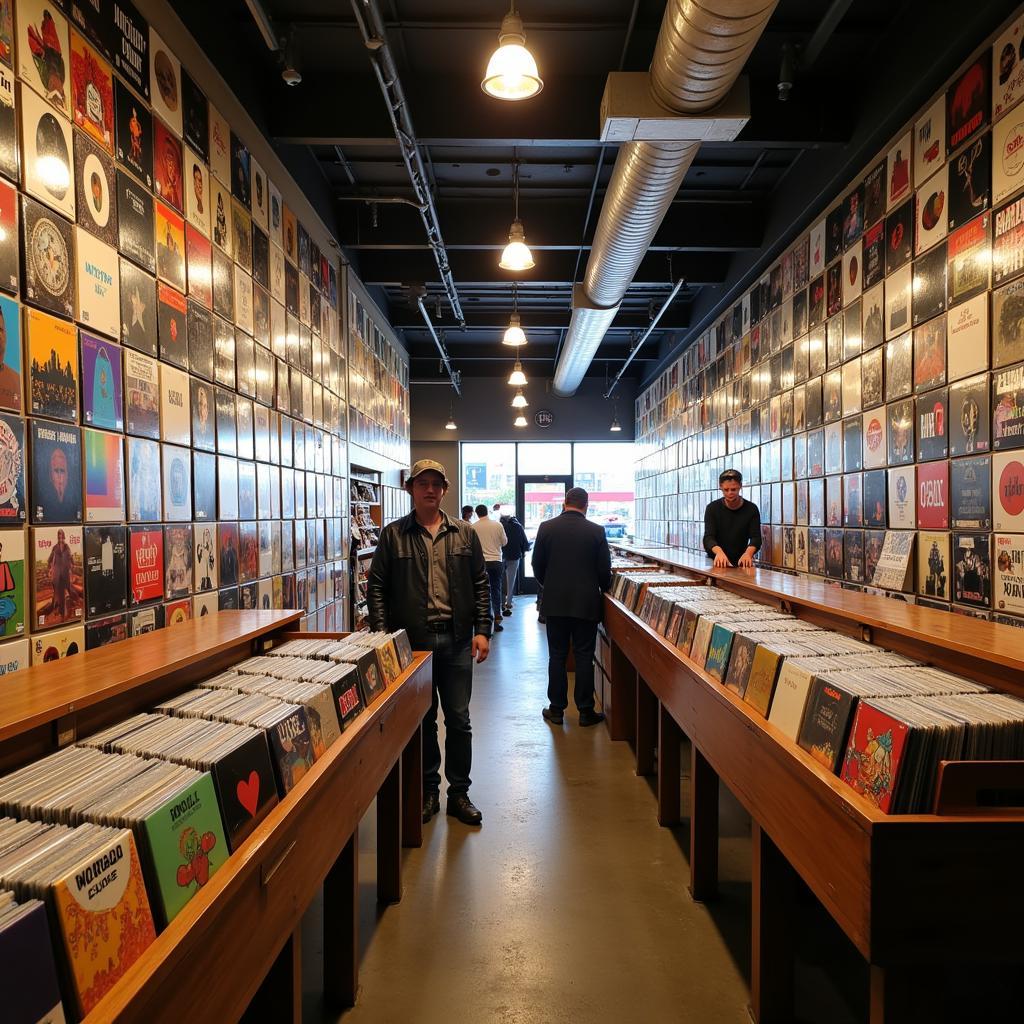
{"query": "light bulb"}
pixel 520 421
pixel 512 72
pixel 514 334
pixel 517 378
pixel 450 425
pixel 615 428
pixel 519 402
pixel 516 255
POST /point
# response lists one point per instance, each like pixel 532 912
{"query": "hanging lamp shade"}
pixel 520 421
pixel 517 378
pixel 450 425
pixel 512 72
pixel 514 334
pixel 516 255
pixel 519 402
pixel 616 427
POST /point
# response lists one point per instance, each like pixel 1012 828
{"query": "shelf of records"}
pixel 155 225
pixel 378 384
pixel 170 796
pixel 873 379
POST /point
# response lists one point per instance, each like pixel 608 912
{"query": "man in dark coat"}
pixel 512 556
pixel 572 563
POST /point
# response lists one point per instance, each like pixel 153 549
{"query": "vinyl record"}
pixel 138 308
pixel 970 181
pixel 1008 408
pixel 43 50
pixel 930 141
pixel 932 425
pixel 177 561
pixel 134 133
pixel 52 356
pixel 102 389
pixel 142 394
pixel 972 569
pixel 170 246
pixel 1008 155
pixel 58 580
pixel 56 484
pixel 95 184
pixel 968 251
pixel 970 493
pixel 46 155
pixel 899 237
pixel 135 223
pixel 165 82
pixel 929 284
pixel 1007 69
pixel 1008 242
pixel 145 564
pixel 172 326
pixel 968 103
pixel 901 432
pixel 899 361
pixel 969 420
pixel 932 211
pixel 92 93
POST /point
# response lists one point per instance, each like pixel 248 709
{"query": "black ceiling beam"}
pixel 498 353
pixel 675 319
pixel 345 110
pixel 550 224
pixel 408 266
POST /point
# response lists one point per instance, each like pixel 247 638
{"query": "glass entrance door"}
pixel 537 498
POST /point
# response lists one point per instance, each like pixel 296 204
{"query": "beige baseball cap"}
pixel 423 465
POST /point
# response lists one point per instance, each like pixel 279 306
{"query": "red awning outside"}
pixel 559 496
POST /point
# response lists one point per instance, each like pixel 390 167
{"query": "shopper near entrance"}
pixel 732 525
pixel 492 540
pixel 467 513
pixel 512 555
pixel 572 563
pixel 428 577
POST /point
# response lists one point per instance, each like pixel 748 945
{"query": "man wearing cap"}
pixel 572 563
pixel 428 577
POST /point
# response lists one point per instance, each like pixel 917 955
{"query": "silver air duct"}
pixel 701 49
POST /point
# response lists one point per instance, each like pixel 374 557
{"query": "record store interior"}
pixel 511 511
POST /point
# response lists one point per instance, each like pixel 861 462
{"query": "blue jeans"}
pixel 453 687
pixel 494 574
pixel 583 633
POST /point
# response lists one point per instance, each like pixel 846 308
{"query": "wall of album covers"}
pixel 870 387
pixel 172 379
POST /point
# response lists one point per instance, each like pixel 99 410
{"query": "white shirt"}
pixel 492 538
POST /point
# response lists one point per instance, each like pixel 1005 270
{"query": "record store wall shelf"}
pixel 870 387
pixel 173 415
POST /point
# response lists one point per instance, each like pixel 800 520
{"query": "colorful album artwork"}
pixel 228 558
pixel 11 386
pixel 145 564
pixel 104 477
pixel 49 247
pixel 134 131
pixel 172 325
pixel 142 394
pixel 98 293
pixel 199 263
pixel 177 562
pixel 58 576
pixel 13 583
pixel 92 92
pixel 53 366
pixel 10 268
pixel 102 392
pixel 43 50
pixel 170 246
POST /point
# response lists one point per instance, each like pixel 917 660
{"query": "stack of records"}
pixel 237 758
pixel 28 973
pixel 832 700
pixel 91 878
pixel 896 743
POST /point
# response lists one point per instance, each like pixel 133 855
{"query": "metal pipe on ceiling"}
pixel 643 337
pixel 440 345
pixel 699 54
pixel 264 24
pixel 371 25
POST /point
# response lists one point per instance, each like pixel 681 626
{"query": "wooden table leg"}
pixel 412 790
pixel 669 738
pixel 389 837
pixel 622 722
pixel 703 828
pixel 771 963
pixel 279 997
pixel 896 995
pixel 646 727
pixel 341 927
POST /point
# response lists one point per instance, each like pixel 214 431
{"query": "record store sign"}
pixel 543 418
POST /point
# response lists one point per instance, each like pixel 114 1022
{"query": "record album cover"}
pixel 933 495
pixel 200 340
pixel 95 185
pixel 12 471
pixel 1008 492
pixel 1008 241
pixel 968 104
pixel 1007 146
pixel 9 266
pixel 902 498
pixel 177 612
pixel 145 564
pixel 9 163
pixel 967 344
pixel 98 296
pixel 135 222
pixel 43 51
pixel 144 480
pixel 897 301
pixel 199 261
pixel 898 169
pixel 930 140
pixel 970 176
pixel 972 569
pixel 58 581
pixel 102 392
pixel 899 237
pixel 165 82
pixel 110 630
pixel 969 418
pixel 57 644
pixel 899 357
pixel 134 133
pixel 142 394
pixel 930 354
pixel 195 116
pixel 968 253
pixel 172 325
pixel 177 562
pixel 1008 324
pixel 929 284
pixel 1009 573
pixel 203 413
pixel 970 491
pixel 228 553
pixel 104 477
pixel 177 483
pixel 175 416
pixel 47 164
pixel 13 585
pixel 138 308
pixel 204 486
pixel 92 92
pixel 146 620
pixel 11 386
pixel 1008 408
pixel 901 432
pixel 170 246
pixel 48 249
pixel 106 569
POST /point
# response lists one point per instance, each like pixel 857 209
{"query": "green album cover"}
pixel 186 845
pixel 12 583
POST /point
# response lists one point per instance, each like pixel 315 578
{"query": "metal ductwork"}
pixel 700 52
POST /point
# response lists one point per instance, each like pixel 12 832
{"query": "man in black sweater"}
pixel 572 563
pixel 732 525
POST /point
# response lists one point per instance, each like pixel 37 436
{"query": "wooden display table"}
pixel 914 893
pixel 236 944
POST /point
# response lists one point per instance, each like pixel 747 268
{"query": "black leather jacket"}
pixel 396 594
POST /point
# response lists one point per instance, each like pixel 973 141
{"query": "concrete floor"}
pixel 569 904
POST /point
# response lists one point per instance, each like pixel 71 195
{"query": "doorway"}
pixel 537 498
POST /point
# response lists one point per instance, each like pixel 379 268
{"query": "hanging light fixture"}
pixel 516 255
pixel 514 333
pixel 517 378
pixel 519 402
pixel 520 421
pixel 512 72
pixel 450 425
pixel 616 427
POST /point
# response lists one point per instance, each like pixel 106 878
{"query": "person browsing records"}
pixel 428 577
pixel 732 525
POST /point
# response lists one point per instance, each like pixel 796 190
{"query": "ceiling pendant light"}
pixel 516 255
pixel 616 427
pixel 512 72
pixel 450 425
pixel 517 378
pixel 519 402
pixel 520 421
pixel 514 333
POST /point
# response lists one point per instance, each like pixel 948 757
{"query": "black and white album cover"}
pixel 49 257
pixel 135 230
pixel 106 569
pixel 138 308
pixel 95 184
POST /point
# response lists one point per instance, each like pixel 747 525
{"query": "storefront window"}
pixel 488 474
pixel 605 471
pixel 545 459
